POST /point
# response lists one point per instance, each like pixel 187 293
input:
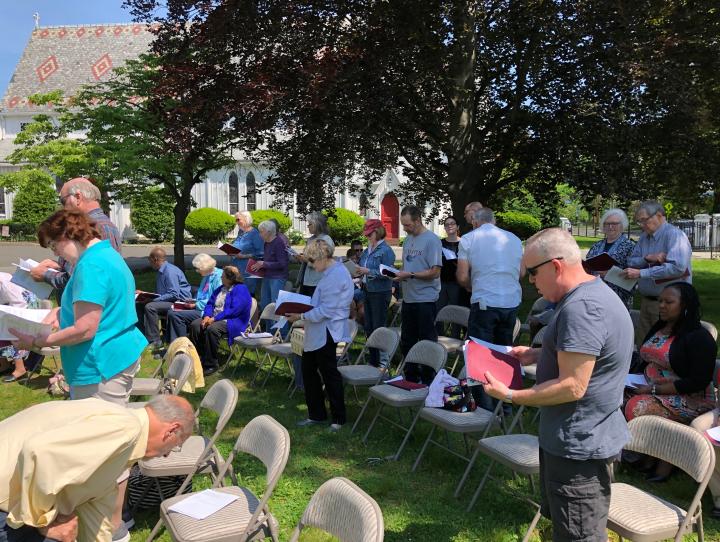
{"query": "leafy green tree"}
pixel 151 214
pixel 35 195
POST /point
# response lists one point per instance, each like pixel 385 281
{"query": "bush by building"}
pixel 521 224
pixel 151 215
pixel 207 225
pixel 35 200
pixel 345 226
pixel 266 214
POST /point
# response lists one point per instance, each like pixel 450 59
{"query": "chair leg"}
pixel 144 494
pixel 467 472
pixel 372 423
pixel 156 530
pixel 362 412
pixel 700 528
pixel 267 376
pixel 533 523
pixel 481 486
pixel 422 450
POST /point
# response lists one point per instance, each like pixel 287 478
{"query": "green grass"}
pixel 586 242
pixel 416 506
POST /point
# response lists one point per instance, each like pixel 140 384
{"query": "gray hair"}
pixel 320 221
pixel 484 215
pixel 317 249
pixel 170 408
pixel 612 212
pixel 555 243
pixel 85 188
pixel 651 207
pixel 268 226
pixel 203 262
pixel 246 216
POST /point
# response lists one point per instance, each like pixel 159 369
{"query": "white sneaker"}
pixel 335 427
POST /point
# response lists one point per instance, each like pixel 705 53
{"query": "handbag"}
pixel 297 341
pixel 459 398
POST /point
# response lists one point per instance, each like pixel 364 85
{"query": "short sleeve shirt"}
pixel 592 320
pixel 101 277
pixel 421 252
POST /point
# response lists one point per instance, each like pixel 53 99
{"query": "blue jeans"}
pixel 251 284
pixel 268 294
pixel 178 322
pixel 376 307
pixel 23 534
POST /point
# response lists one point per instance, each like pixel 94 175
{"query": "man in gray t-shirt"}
pixel 420 277
pixel 581 369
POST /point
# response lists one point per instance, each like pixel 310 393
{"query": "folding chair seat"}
pixel 427 353
pixel 178 374
pixel 641 516
pixel 538 306
pixel 457 316
pixel 198 454
pixel 343 510
pixel 275 351
pixel 362 373
pixel 248 517
pixel 242 344
pixel 478 421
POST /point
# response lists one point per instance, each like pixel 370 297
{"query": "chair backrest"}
pixel 221 398
pixel 342 509
pixel 268 313
pixel 516 329
pixel 673 442
pixel 454 314
pixel 395 311
pixel 179 372
pixel 341 352
pixel 711 328
pixel 427 353
pixel 383 339
pixel 538 338
pixel 253 317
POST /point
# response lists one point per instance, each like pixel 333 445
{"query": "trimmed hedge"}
pixel 35 199
pixel 208 225
pixel 262 215
pixel 521 224
pixel 345 226
pixel 151 214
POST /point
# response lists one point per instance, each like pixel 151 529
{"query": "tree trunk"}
pixel 181 210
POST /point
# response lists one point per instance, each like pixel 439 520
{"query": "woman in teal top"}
pixel 99 343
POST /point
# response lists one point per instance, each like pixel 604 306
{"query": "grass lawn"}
pixel 416 506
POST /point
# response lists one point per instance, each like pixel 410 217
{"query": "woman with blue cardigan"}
pixel 378 288
pixel 226 314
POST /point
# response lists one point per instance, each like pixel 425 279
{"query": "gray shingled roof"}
pixel 67 57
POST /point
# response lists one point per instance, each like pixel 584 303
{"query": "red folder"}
pixel 601 262
pixel 480 359
pixel 183 305
pixel 259 273
pixel 407 385
pixel 228 249
pixel 292 308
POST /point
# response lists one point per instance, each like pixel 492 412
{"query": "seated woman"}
pixel 226 314
pixel 617 245
pixel 20 361
pixel 178 321
pixel 326 325
pixel 680 356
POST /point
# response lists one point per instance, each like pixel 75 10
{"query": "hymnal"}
pixel 388 271
pixel 145 297
pixel 601 262
pixel 228 249
pixel 480 359
pixel 292 303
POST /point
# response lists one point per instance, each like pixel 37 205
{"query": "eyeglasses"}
pixel 450 224
pixel 612 224
pixel 52 245
pixel 643 221
pixel 532 271
pixel 63 199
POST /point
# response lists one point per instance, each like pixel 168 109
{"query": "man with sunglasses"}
pixel 61 461
pixel 663 254
pixel 581 369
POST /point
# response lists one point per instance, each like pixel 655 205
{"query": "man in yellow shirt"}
pixel 59 463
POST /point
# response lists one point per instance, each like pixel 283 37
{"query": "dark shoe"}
pixel 660 478
pixel 715 512
pixel 10 378
pixel 210 371
pixel 157 346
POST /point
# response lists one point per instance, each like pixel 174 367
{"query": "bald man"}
pixel 82 195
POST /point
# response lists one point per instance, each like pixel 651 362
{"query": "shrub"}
pixel 521 224
pixel 151 214
pixel 295 237
pixel 266 214
pixel 345 226
pixel 208 225
pixel 35 200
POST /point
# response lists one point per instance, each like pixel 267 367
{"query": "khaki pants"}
pixel 703 423
pixel 649 313
pixel 115 389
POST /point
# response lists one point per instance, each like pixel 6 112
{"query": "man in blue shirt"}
pixel 171 285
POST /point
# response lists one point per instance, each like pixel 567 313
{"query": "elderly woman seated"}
pixel 680 360
pixel 18 361
pixel 226 314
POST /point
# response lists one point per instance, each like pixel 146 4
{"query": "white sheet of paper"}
pixel 291 297
pixel 24 320
pixel 389 268
pixel 203 504
pixel 262 335
pixel 614 276
pixel 497 347
pixel 396 379
pixel 714 433
pixel 449 254
pixel 280 323
pixel 22 278
pixel 633 381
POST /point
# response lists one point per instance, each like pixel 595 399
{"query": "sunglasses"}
pixel 532 271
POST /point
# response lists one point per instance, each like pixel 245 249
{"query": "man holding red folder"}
pixel 581 369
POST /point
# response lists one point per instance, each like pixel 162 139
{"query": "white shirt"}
pixel 331 299
pixel 493 255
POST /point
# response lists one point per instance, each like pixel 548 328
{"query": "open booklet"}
pixel 22 278
pixel 290 302
pixel 388 271
pixel 24 320
pixel 228 249
pixel 615 276
pixel 481 357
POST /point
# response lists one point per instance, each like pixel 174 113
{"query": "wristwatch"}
pixel 652 392
pixel 508 397
pixel 412 274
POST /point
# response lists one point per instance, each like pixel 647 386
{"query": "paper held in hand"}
pixel 352 268
pixel 388 271
pixel 713 435
pixel 203 504
pixel 228 249
pixel 24 320
pixel 290 302
pixel 480 359
pixel 633 381
pixel 615 276
pixel 449 254
pixel 22 278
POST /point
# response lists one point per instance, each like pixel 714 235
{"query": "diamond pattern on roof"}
pixel 80 32
pixel 62 33
pixel 47 68
pixel 102 66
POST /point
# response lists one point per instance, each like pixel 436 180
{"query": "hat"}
pixel 371 225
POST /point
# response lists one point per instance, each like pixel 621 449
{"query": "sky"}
pixel 17 23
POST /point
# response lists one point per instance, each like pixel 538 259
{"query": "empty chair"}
pixel 178 374
pixel 198 454
pixel 272 353
pixel 242 344
pixel 362 373
pixel 247 517
pixel 644 517
pixel 343 510
pixel 427 353
pixel 457 316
